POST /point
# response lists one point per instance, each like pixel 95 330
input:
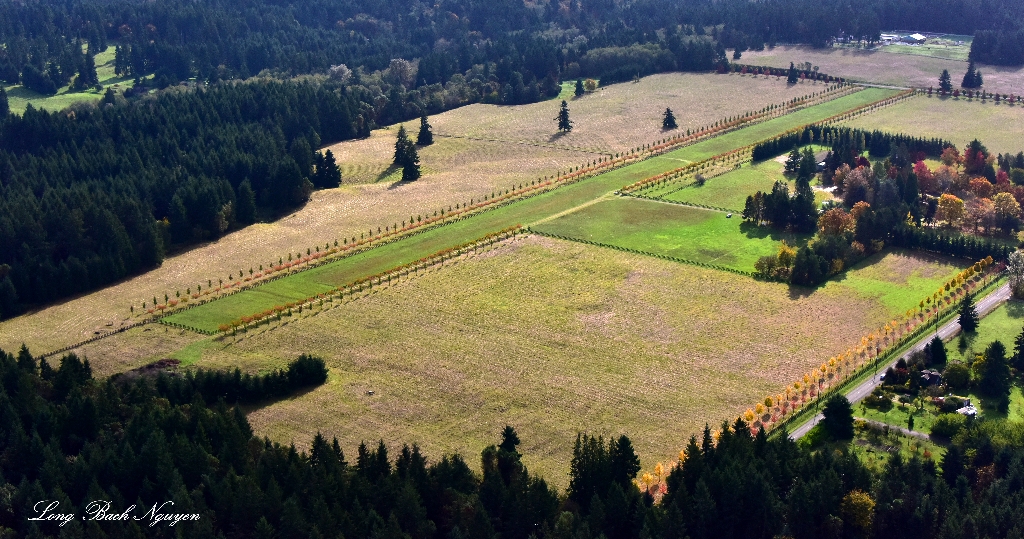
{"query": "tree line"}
pixel 72 439
pixel 49 45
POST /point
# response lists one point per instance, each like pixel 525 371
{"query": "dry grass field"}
pixel 999 127
pixel 882 67
pixel 556 337
pixel 455 171
pixel 623 116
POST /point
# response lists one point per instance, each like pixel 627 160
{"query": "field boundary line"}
pixel 639 252
pixel 382 285
pixel 395 272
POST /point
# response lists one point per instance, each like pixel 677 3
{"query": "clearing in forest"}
pixel 1000 127
pixel 595 339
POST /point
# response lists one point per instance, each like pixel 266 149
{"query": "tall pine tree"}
pixel 968 315
pixel 945 84
pixel 402 145
pixel 425 137
pixel 411 166
pixel 669 121
pixel 564 123
pixel 579 88
pixel 5 107
pixel 995 376
pixel 970 79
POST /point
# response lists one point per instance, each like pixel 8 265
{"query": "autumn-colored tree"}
pixel 980 213
pixel 976 157
pixel 951 210
pixel 1007 210
pixel 787 254
pixel 840 176
pixel 858 510
pixel 951 157
pixel 835 222
pixel 981 187
pixel 590 85
pixel 926 182
pixel 859 209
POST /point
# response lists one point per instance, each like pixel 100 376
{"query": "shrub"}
pixel 948 425
pixel 957 375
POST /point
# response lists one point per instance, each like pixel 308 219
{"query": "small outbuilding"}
pixel 914 39
pixel 931 377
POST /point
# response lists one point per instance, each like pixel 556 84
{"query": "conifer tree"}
pixel 945 84
pixel 793 76
pixel 425 137
pixel 1017 359
pixel 937 351
pixel 579 88
pixel 402 144
pixel 669 121
pixel 246 200
pixel 970 79
pixel 838 418
pixel 995 376
pixel 564 123
pixel 5 107
pixel 411 165
pixel 968 315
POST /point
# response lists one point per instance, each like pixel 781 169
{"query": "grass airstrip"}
pixel 564 199
pixel 594 338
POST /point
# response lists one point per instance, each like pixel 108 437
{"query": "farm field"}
pixel 623 116
pixel 701 346
pixel 209 317
pixel 730 190
pixel 353 208
pixel 999 127
pixel 684 232
pixel 882 67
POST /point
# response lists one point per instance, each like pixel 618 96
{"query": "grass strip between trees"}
pixel 573 190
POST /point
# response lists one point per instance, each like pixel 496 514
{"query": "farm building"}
pixel 915 39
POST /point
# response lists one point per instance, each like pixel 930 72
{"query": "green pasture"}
pixel 564 199
pixel 672 230
pixel 730 190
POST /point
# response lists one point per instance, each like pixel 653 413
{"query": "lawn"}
pixel 670 229
pixel 595 339
pixel 958 120
pixel 1004 324
pixel 882 67
pixel 730 190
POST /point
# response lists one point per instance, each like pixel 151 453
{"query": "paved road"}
pixel 946 332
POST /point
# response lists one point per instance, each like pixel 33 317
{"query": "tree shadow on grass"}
pixel 752 231
pixel 557 136
pixel 1015 308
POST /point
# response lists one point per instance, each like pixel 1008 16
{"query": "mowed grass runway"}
pixel 564 199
